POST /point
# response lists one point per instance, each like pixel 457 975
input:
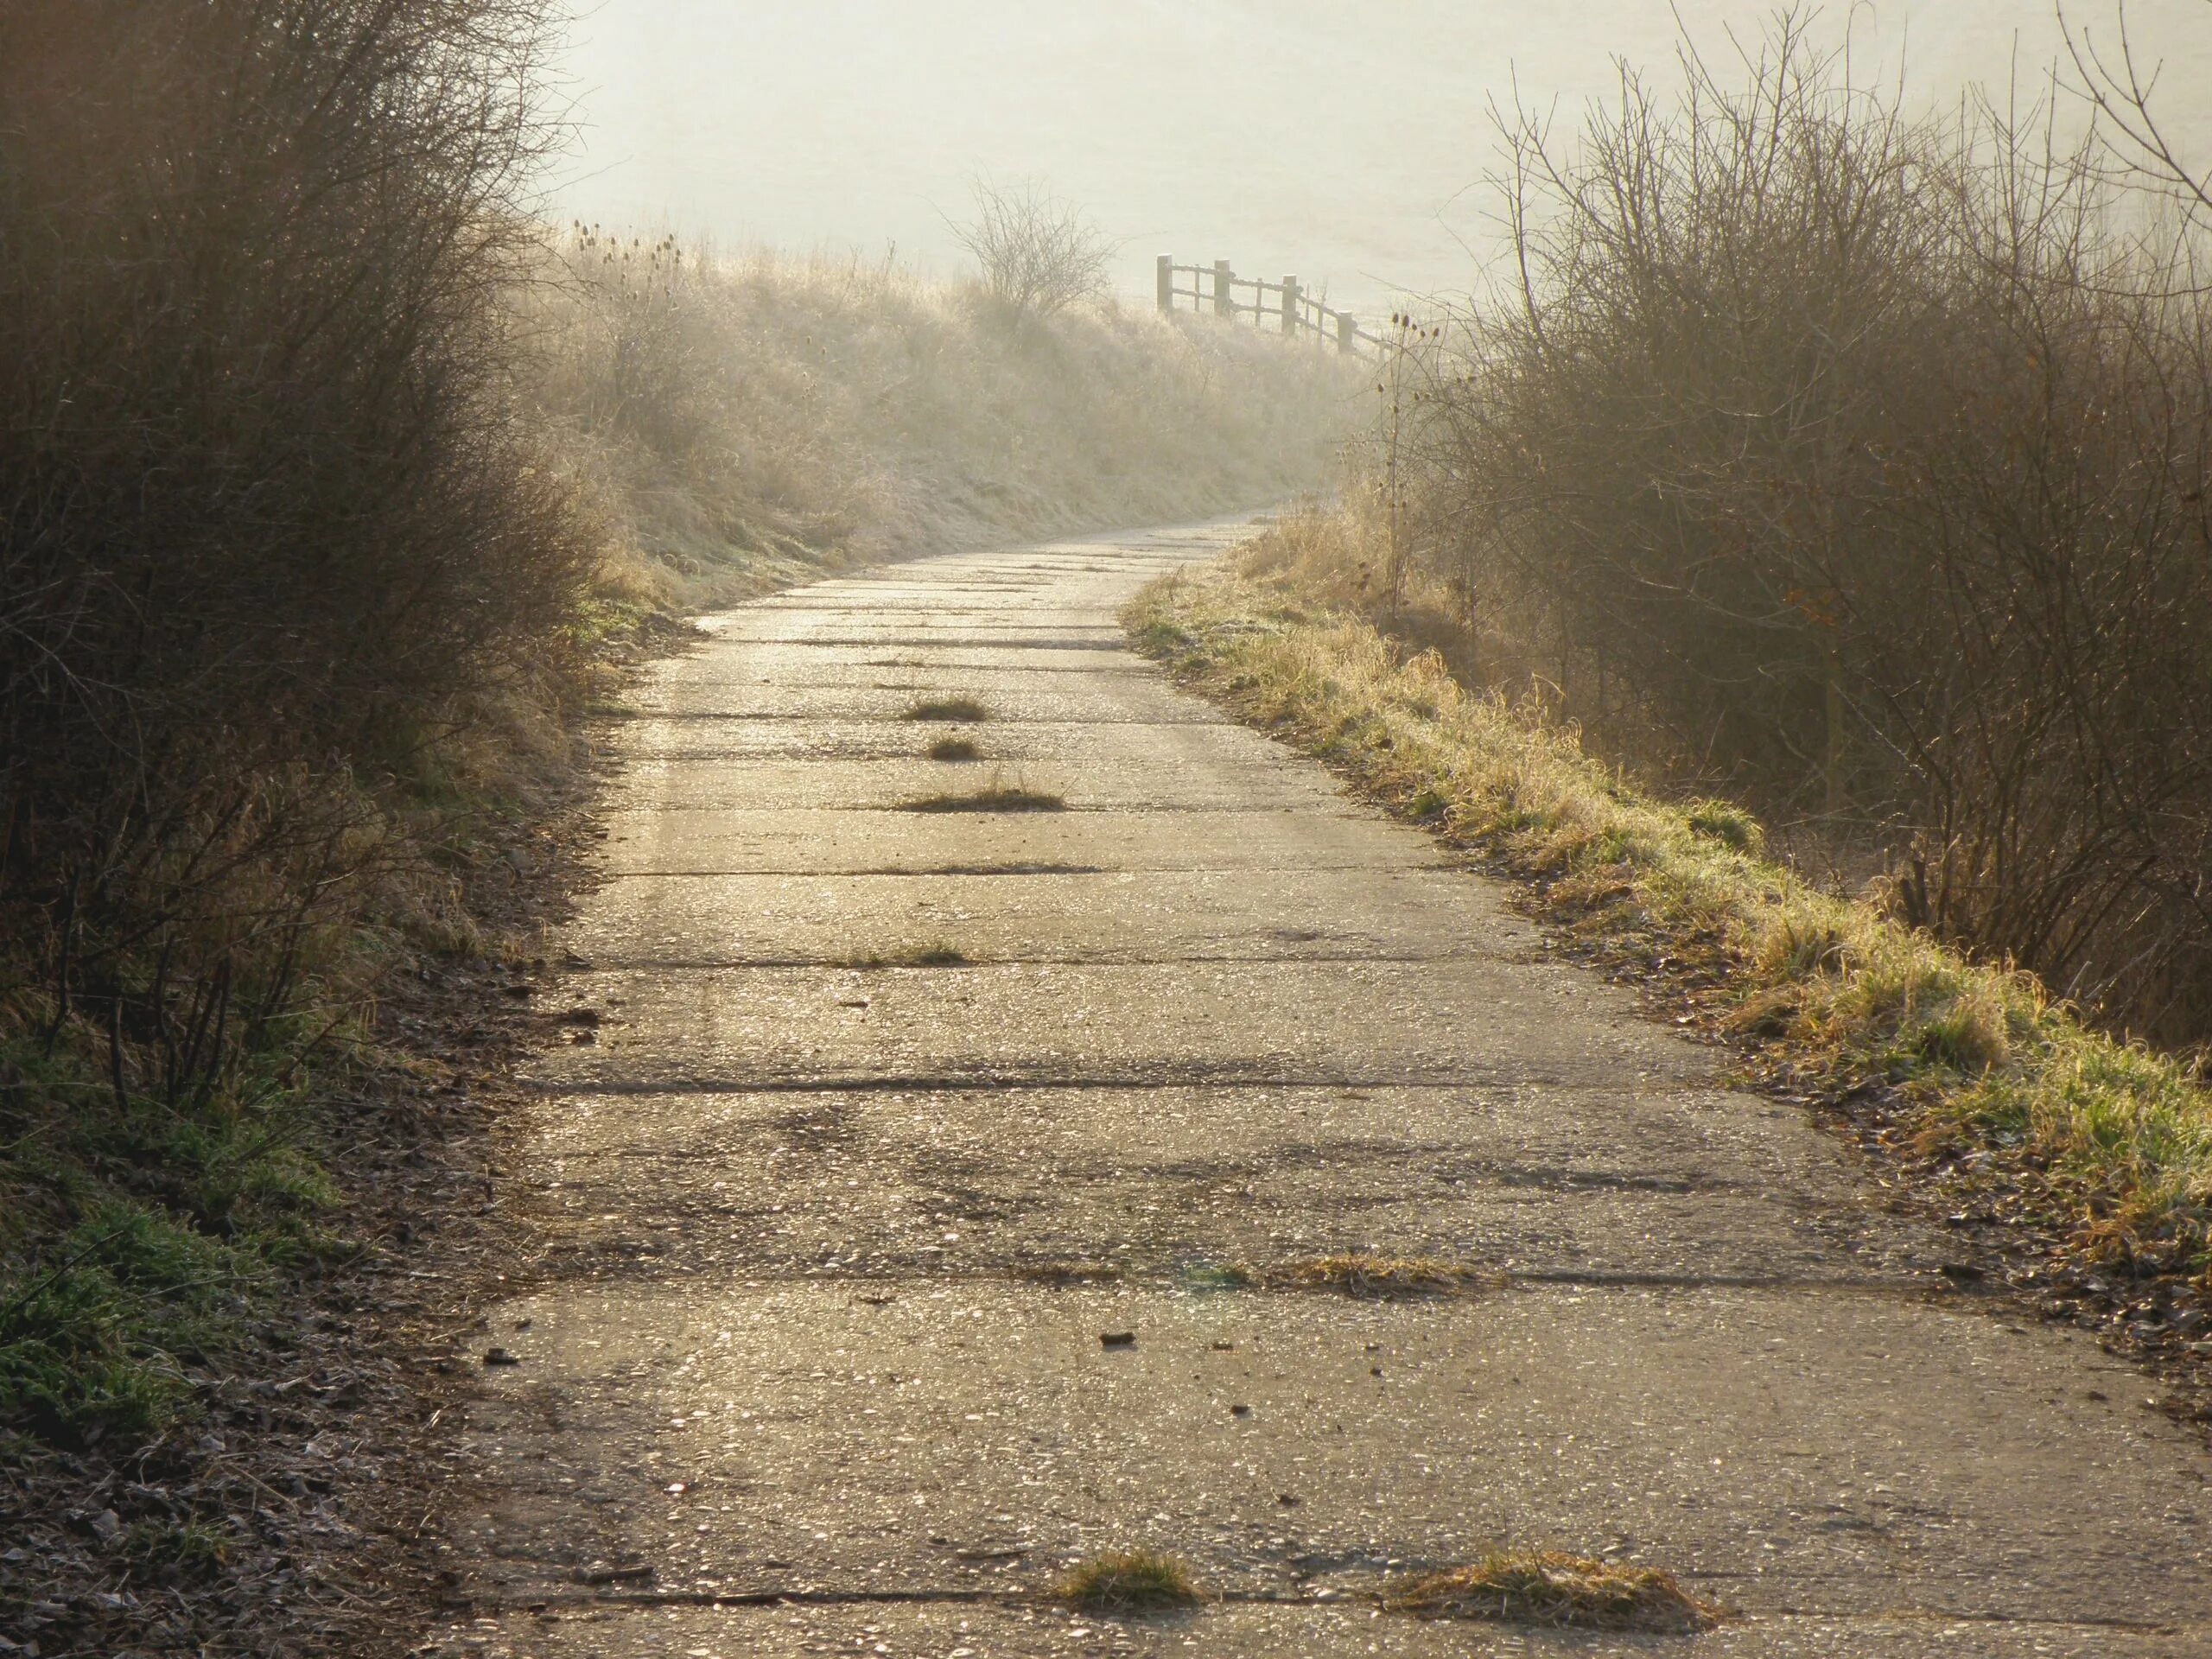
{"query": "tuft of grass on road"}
pixel 938 954
pixel 2111 1141
pixel 954 748
pixel 1548 1587
pixel 1129 1581
pixel 948 709
pixel 998 798
pixel 1381 1276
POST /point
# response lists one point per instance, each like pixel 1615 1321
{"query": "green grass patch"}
pixel 140 1241
pixel 2111 1139
pixel 170 1551
pixel 1129 1581
pixel 98 1323
pixel 1547 1587
pixel 1727 823
pixel 149 1231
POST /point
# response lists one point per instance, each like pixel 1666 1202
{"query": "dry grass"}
pixel 960 709
pixel 1548 1587
pixel 954 748
pixel 2112 1139
pixel 1130 1581
pixel 749 419
pixel 1380 1276
pixel 998 798
pixel 937 955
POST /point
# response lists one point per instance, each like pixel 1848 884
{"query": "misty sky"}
pixel 1343 142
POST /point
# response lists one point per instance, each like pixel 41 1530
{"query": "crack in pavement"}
pixel 796 1595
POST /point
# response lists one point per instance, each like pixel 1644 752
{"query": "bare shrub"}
pixel 268 530
pixel 1858 463
pixel 1039 254
pixel 2115 79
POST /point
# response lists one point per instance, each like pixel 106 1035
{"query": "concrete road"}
pixel 819 1367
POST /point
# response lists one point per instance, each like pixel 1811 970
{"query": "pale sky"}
pixel 1342 142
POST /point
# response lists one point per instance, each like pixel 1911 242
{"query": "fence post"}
pixel 1290 317
pixel 1225 303
pixel 1165 285
pixel 1347 333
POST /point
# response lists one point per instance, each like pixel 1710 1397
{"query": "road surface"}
pixel 817 1363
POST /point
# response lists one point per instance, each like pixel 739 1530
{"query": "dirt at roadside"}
pixel 292 1517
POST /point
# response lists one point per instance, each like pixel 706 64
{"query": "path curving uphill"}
pixel 891 1117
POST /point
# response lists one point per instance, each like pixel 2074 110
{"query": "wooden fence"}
pixel 1285 304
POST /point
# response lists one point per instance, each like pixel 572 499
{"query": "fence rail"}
pixel 1286 304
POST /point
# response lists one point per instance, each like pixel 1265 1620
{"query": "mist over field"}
pixel 1344 143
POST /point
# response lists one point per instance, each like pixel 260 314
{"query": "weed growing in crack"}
pixel 948 709
pixel 936 955
pixel 998 798
pixel 1129 1581
pixel 1550 1587
pixel 1381 1276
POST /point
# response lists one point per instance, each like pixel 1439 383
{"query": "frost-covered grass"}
pixel 2117 1138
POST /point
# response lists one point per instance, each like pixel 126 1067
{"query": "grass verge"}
pixel 1981 1065
pixel 1551 1588
pixel 144 1241
pixel 1129 1581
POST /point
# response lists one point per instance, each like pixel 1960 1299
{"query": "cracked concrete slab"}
pixel 686 839
pixel 1185 1184
pixel 1069 742
pixel 1349 1022
pixel 820 1361
pixel 900 782
pixel 885 1438
pixel 1065 915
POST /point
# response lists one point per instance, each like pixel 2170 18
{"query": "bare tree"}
pixel 2120 86
pixel 1859 463
pixel 1039 254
